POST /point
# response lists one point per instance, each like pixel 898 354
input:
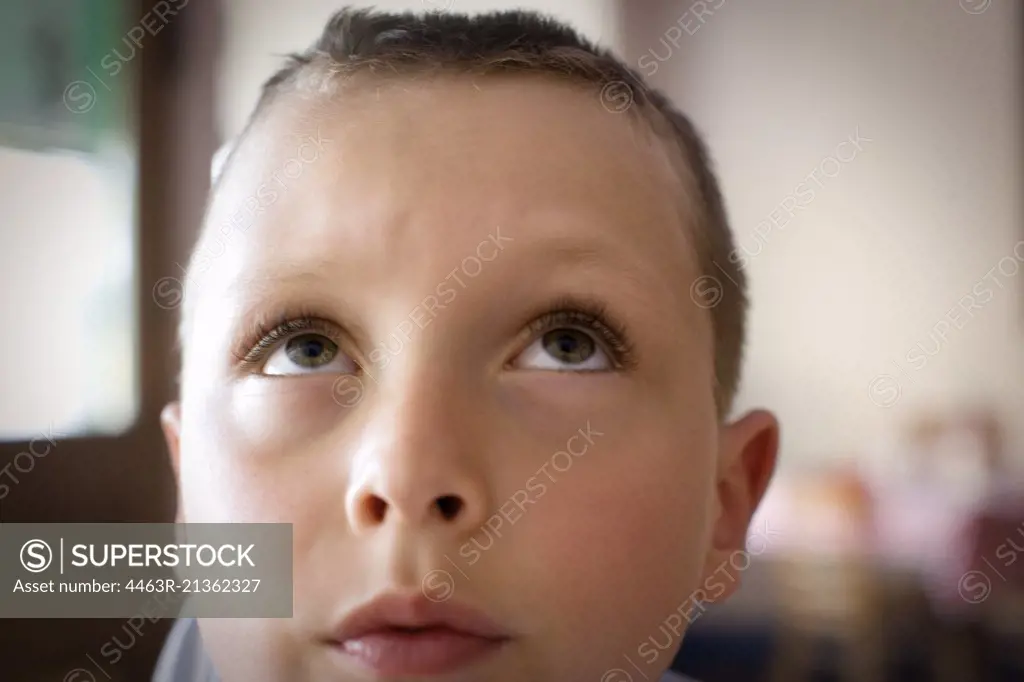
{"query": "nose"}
pixel 416 465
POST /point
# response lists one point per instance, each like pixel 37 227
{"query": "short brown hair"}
pixel 361 40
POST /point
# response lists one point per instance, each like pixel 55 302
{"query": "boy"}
pixel 455 303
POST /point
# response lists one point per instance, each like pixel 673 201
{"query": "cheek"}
pixel 248 450
pixel 270 451
pixel 632 508
pixel 623 539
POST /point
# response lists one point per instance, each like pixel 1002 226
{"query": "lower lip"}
pixel 428 652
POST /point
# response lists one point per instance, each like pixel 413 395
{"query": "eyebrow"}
pixel 604 253
pixel 252 307
pixel 572 251
pixel 549 251
pixel 558 249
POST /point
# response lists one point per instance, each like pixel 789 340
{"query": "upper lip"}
pixel 404 611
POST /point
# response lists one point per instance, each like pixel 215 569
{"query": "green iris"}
pixel 569 345
pixel 311 350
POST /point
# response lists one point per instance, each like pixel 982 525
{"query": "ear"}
pixel 170 420
pixel 748 449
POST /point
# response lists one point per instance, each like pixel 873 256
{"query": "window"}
pixel 68 161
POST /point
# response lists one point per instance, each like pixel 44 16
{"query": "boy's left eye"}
pixel 565 349
pixel 308 353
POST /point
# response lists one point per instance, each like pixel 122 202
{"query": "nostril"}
pixel 376 509
pixel 449 506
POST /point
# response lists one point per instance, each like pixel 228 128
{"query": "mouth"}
pixel 412 635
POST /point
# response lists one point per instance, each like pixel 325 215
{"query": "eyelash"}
pixel 591 316
pixel 266 334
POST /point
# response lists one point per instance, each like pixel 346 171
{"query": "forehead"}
pixel 411 172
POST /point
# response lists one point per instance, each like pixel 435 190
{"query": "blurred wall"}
pixel 259 32
pixel 885 282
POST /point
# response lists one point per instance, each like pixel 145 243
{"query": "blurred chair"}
pixel 993 587
pixel 829 591
pixel 829 601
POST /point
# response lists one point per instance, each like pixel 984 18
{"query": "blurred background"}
pixel 872 158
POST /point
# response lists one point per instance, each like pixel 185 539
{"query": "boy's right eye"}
pixel 308 353
pixel 294 345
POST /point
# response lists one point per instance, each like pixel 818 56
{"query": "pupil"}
pixel 569 345
pixel 313 348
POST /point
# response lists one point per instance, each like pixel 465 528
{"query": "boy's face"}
pixel 533 430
